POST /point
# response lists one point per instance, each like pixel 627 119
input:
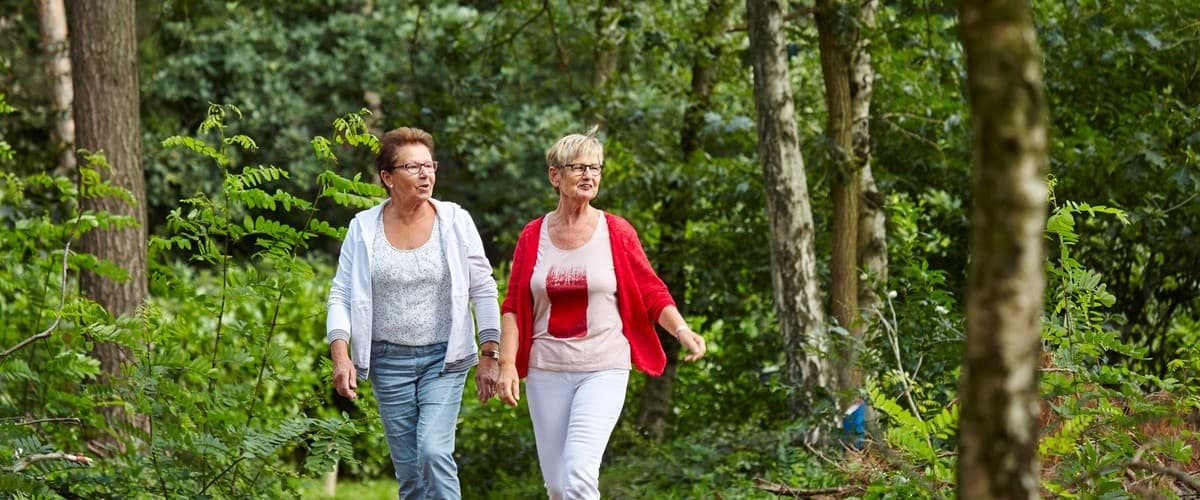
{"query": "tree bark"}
pixel 104 50
pixel 872 230
pixel 605 55
pixel 793 258
pixel 836 36
pixel 676 211
pixel 871 246
pixel 52 19
pixel 998 433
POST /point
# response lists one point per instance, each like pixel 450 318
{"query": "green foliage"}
pixel 226 381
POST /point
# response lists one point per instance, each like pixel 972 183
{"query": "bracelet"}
pixel 681 328
pixel 491 353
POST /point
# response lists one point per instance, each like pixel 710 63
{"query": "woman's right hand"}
pixel 508 387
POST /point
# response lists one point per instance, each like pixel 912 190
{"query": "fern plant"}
pixel 228 385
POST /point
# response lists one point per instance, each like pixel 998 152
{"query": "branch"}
pixel 1179 475
pixel 564 62
pixel 62 301
pixel 28 460
pixel 68 420
pixel 785 490
pixel 513 35
pixel 910 134
pixel 798 13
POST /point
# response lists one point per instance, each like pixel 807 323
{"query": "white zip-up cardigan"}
pixel 349 305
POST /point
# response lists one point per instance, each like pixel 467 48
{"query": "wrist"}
pixel 490 353
pixel 680 329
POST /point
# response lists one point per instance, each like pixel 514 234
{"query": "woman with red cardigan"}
pixel 580 311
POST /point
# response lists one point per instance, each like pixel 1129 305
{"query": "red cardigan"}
pixel 641 294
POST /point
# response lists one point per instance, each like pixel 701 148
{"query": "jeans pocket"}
pixel 378 349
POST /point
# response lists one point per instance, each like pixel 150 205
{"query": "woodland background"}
pixel 254 130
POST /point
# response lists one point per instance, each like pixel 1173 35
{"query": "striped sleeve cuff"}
pixel 489 335
pixel 337 335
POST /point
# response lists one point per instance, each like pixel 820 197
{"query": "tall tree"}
pixel 52 20
pixel 793 258
pixel 677 198
pixel 872 228
pixel 104 50
pixel 836 39
pixel 997 437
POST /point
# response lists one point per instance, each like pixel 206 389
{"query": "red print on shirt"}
pixel 567 289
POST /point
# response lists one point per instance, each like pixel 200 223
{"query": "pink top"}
pixel 576 324
pixel 641 294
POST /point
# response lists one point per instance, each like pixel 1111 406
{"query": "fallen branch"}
pixel 1179 475
pixel 28 460
pixel 63 420
pixel 788 491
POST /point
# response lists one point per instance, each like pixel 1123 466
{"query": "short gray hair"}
pixel 575 145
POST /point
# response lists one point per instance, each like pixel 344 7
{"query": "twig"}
pixel 910 134
pixel 1179 475
pixel 785 490
pixel 820 455
pixel 796 14
pixel 895 343
pixel 512 35
pixel 67 420
pixel 62 302
pixel 1182 203
pixel 28 460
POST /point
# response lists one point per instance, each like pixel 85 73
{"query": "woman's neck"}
pixel 570 214
pixel 408 211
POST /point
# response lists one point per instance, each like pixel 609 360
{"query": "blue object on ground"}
pixel 854 424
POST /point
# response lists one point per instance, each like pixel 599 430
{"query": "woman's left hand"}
pixel 486 375
pixel 694 344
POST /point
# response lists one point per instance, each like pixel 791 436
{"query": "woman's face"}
pixel 418 184
pixel 578 179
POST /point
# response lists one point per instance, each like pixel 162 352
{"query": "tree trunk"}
pixel 836 37
pixel 656 397
pixel 872 229
pixel 104 50
pixel 52 19
pixel 997 438
pixel 605 55
pixel 793 258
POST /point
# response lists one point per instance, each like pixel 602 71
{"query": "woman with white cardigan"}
pixel 400 314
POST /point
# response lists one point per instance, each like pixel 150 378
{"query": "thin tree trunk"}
pixel 836 37
pixel 676 211
pixel 793 258
pixel 605 55
pixel 52 19
pixel 997 438
pixel 104 50
pixel 872 230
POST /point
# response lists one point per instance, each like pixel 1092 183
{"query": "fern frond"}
pixel 197 146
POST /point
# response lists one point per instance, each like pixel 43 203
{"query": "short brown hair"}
pixel 397 138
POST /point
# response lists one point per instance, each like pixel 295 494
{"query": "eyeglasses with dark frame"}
pixel 597 169
pixel 415 168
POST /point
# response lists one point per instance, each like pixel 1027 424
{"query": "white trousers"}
pixel 573 415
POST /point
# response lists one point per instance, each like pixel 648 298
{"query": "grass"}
pixel 378 489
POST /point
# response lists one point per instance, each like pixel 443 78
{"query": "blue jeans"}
pixel 419 408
